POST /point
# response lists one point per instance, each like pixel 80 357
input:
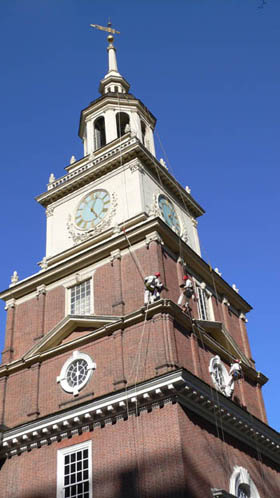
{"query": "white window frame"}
pixel 60 465
pixel 241 476
pixel 206 296
pixel 69 290
pixel 202 308
pixel 62 378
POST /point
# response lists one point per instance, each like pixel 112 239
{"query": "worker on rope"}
pixel 187 291
pixel 235 373
pixel 153 288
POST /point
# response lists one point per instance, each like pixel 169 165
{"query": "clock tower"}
pixel 105 393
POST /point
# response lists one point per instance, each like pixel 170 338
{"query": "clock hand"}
pixel 93 212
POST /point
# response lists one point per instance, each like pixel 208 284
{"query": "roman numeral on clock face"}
pixel 92 209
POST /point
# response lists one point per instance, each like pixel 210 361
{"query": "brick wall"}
pixel 167 453
pixel 135 354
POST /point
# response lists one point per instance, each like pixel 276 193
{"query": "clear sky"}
pixel 209 71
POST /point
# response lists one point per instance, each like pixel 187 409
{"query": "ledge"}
pixel 178 386
pixel 94 250
pixel 49 345
pixel 124 150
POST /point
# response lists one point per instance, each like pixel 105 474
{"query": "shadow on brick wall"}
pixel 158 477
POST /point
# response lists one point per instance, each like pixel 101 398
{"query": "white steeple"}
pixel 113 81
pixel 112 58
pixel 117 114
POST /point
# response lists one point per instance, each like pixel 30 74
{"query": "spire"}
pixel 113 81
pixel 112 58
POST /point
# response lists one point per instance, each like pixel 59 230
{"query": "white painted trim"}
pixel 240 476
pixel 178 386
pixel 207 299
pixel 60 465
pixel 78 279
pixel 62 378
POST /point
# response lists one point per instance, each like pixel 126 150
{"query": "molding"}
pixel 226 302
pixel 243 317
pixel 153 237
pixel 60 471
pixel 194 222
pixel 88 254
pixel 115 255
pixel 41 290
pixel 120 153
pixel 64 328
pixel 50 345
pixel 219 332
pixel 11 303
pixel 153 209
pixel 49 211
pixel 185 234
pixel 77 278
pixel 178 386
pixel 62 378
pixel 241 476
pixel 136 166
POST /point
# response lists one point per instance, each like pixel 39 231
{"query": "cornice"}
pixel 91 170
pixel 92 251
pixel 129 147
pixel 178 386
pixel 114 98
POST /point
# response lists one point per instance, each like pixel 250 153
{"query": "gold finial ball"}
pixel 110 38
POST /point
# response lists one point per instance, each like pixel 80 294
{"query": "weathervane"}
pixel 108 28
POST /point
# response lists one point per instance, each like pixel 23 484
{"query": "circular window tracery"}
pixel 76 372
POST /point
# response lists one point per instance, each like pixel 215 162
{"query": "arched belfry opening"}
pixel 123 124
pixel 99 133
pixel 143 131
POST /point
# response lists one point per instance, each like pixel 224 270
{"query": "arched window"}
pixel 243 491
pixel 123 125
pixel 116 89
pixel 143 131
pixel 242 485
pixel 99 133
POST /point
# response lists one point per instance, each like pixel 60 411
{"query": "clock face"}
pixel 169 214
pixel 92 209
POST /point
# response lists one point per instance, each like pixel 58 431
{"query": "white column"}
pixel 90 141
pixel 196 238
pixel 135 125
pixel 85 143
pixel 150 138
pixel 49 238
pixel 110 125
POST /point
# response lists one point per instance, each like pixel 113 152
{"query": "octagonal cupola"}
pixel 117 114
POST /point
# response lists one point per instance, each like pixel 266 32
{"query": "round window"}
pixel 76 372
pixel 218 376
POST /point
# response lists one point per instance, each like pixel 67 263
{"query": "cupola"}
pixel 115 115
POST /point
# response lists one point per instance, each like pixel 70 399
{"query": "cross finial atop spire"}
pixel 109 28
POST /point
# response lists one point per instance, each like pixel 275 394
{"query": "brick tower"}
pixel 103 394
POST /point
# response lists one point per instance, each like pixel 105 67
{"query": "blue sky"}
pixel 209 71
